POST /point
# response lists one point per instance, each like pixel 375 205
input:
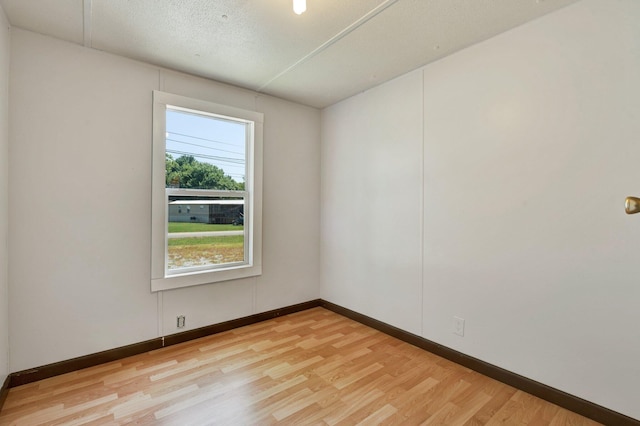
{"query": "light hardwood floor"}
pixel 312 367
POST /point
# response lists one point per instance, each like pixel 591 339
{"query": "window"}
pixel 206 192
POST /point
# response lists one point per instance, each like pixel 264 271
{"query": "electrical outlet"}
pixel 458 326
pixel 180 321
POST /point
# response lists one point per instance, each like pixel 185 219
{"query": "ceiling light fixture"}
pixel 299 6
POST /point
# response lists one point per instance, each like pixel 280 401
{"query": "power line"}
pixel 204 146
pixel 208 157
pixel 202 139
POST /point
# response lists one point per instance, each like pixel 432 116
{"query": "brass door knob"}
pixel 632 205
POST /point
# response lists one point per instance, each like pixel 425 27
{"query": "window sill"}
pixel 205 277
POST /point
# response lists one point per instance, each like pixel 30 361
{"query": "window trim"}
pixel 160 280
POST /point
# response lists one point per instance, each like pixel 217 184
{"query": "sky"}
pixel 209 139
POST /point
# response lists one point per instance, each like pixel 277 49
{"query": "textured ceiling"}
pixel 336 49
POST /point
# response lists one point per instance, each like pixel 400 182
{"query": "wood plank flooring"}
pixel 312 367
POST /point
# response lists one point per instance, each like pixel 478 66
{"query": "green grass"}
pixel 202 251
pixel 201 227
pixel 196 241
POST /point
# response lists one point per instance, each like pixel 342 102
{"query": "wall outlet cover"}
pixel 458 326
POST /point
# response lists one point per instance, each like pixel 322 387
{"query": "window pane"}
pixel 204 152
pixel 206 218
pixel 204 231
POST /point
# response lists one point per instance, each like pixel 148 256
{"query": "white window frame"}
pixel 161 278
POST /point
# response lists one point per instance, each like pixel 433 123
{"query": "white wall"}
pixel 81 142
pixel 371 203
pixel 4 195
pixel 530 147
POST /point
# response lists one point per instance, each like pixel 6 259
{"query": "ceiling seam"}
pixel 86 23
pixel 339 36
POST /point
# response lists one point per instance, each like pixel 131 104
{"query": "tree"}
pixel 187 172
